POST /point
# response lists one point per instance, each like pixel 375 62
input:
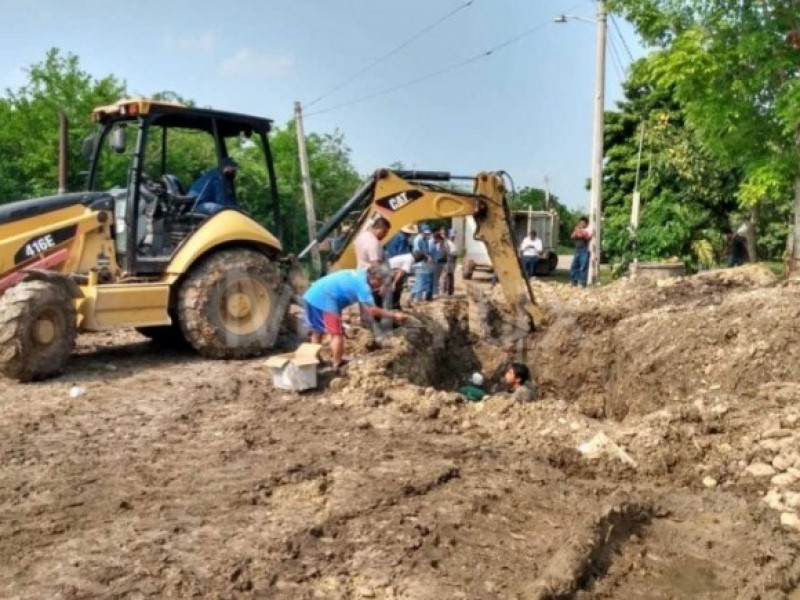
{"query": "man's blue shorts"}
pixel 322 321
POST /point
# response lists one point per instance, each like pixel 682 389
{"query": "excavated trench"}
pixel 448 342
pixel 624 351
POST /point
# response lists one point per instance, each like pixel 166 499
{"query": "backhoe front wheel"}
pixel 38 327
pixel 226 301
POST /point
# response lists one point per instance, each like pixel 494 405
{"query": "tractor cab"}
pixel 162 162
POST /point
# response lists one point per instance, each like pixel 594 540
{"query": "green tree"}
pixel 29 148
pixel 536 199
pixel 687 195
pixel 29 124
pixel 733 68
pixel 333 179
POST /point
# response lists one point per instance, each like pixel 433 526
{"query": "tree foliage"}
pixel 29 148
pixel 732 66
pixel 687 195
pixel 29 124
pixel 535 199
pixel 333 179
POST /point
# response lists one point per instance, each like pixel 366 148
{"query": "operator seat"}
pixel 173 185
pixel 176 194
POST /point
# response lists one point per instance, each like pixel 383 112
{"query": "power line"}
pixel 392 52
pixel 439 72
pixel 622 38
pixel 616 59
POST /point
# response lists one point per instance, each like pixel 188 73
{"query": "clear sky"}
pixel 526 108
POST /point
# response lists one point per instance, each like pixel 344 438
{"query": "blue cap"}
pixel 425 228
pixel 229 162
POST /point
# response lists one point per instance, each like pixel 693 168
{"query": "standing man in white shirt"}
pixel 369 250
pixel 531 250
pixel 447 283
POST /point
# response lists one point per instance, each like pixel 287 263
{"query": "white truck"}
pixel 476 257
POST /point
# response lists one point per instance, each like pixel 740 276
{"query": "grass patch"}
pixel 776 267
pixel 562 275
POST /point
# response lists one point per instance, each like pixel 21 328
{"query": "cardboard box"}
pixel 296 371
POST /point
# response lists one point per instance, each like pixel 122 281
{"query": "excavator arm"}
pixel 406 197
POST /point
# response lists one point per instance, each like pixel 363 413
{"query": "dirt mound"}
pixel 165 475
pixel 641 294
pixel 639 346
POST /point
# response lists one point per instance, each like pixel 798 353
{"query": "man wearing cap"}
pixel 400 242
pixel 214 188
pixel 474 390
pixel 327 297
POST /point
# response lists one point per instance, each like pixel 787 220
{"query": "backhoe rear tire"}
pixel 38 327
pixel 226 301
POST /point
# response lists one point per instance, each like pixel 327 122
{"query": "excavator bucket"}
pixel 494 228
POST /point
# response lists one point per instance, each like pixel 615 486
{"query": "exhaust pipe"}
pixel 63 132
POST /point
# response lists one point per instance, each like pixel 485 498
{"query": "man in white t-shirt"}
pixel 447 283
pixel 531 250
pixel 369 250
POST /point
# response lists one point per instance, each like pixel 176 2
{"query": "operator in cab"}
pixel 214 188
pixel 330 295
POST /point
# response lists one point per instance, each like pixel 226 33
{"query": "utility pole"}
pixel 794 237
pixel 546 193
pixel 63 158
pixel 636 205
pixel 308 196
pixel 596 197
pixel 636 201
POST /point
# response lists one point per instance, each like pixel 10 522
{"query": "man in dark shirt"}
pixel 737 249
pixel 518 380
pixel 214 188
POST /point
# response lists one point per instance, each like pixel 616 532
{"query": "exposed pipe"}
pixel 63 132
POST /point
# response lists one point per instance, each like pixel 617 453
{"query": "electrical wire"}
pixel 622 37
pixel 392 52
pixel 438 72
pixel 616 59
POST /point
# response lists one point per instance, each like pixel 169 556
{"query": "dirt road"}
pixel 171 476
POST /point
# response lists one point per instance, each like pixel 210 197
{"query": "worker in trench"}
pixel 518 382
pixel 330 295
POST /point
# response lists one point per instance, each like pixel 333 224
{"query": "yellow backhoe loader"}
pixel 407 197
pixel 134 250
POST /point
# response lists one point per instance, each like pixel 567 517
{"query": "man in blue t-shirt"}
pixel 329 296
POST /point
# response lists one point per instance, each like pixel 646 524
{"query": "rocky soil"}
pixel 662 460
